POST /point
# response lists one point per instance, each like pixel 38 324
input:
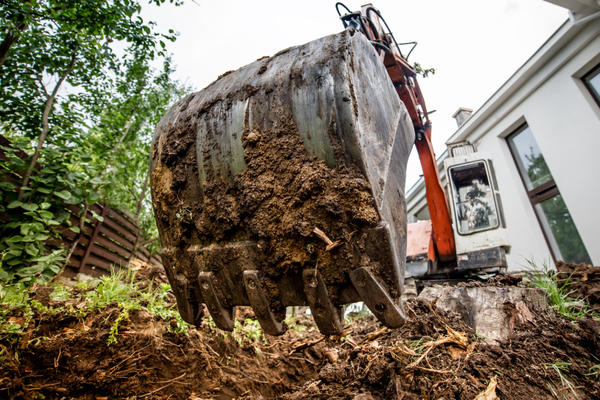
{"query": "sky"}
pixel 474 45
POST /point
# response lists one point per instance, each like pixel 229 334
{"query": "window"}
pixel 592 82
pixel 473 197
pixel 552 213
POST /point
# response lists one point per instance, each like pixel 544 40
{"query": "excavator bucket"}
pixel 282 184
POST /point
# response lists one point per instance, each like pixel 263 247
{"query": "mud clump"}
pixel 281 197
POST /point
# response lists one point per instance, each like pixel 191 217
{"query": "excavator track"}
pixel 282 184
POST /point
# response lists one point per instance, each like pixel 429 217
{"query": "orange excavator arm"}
pixel 404 78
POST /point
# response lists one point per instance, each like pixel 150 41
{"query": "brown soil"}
pixel 583 280
pixel 434 356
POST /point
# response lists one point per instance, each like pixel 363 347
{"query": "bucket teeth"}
pixel 327 316
pixel 223 316
pixel 260 305
pixel 376 298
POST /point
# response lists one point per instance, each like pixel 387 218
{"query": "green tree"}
pixel 78 95
pixel 55 43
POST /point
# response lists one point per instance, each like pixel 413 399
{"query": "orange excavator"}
pixel 282 184
pixel 433 251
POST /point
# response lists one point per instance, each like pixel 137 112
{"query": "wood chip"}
pixel 490 392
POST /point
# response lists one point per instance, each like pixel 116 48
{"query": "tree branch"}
pixel 45 125
pixel 9 40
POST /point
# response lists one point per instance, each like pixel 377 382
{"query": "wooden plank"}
pixel 75 261
pixel 140 256
pixel 156 261
pixel 113 257
pixel 115 237
pixel 79 251
pixel 95 272
pixel 144 251
pixel 121 220
pixel 99 262
pixel 129 216
pixel 112 246
pixel 97 208
pixel 89 248
pixel 118 231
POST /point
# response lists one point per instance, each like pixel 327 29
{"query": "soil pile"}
pixel 64 353
pixel 436 355
pixel 583 280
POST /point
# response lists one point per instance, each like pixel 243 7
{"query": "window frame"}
pixel 539 194
pixel 595 71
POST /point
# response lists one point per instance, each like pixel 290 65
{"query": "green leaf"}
pixel 14 204
pixel 45 205
pixel 32 250
pixel 63 194
pixel 14 252
pixel 14 239
pixel 75 229
pixel 7 187
pixel 29 206
pixel 25 228
pixel 44 190
pixel 97 216
pixel 46 214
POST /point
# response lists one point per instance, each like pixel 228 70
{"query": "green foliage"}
pixel 558 294
pixel 248 332
pixel 561 369
pixel 424 72
pixel 77 94
pixel 594 371
pixel 14 300
pixel 555 210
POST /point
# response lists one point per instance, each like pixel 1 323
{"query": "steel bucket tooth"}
pixel 282 184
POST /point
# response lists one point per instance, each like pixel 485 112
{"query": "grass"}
pixel 119 289
pixel 559 295
pixel 561 369
pixel 594 371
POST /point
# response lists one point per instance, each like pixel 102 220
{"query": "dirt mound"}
pixel 583 280
pixel 438 356
pixel 435 355
pixel 78 342
pixel 68 356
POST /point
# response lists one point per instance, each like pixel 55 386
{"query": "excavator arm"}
pixel 404 77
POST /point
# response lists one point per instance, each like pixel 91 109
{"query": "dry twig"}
pixel 330 243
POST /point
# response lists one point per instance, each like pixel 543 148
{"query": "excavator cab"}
pixel 478 222
pixel 475 203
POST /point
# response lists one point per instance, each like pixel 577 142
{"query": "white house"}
pixel 541 129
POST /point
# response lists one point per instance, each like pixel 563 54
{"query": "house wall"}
pixel 548 95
